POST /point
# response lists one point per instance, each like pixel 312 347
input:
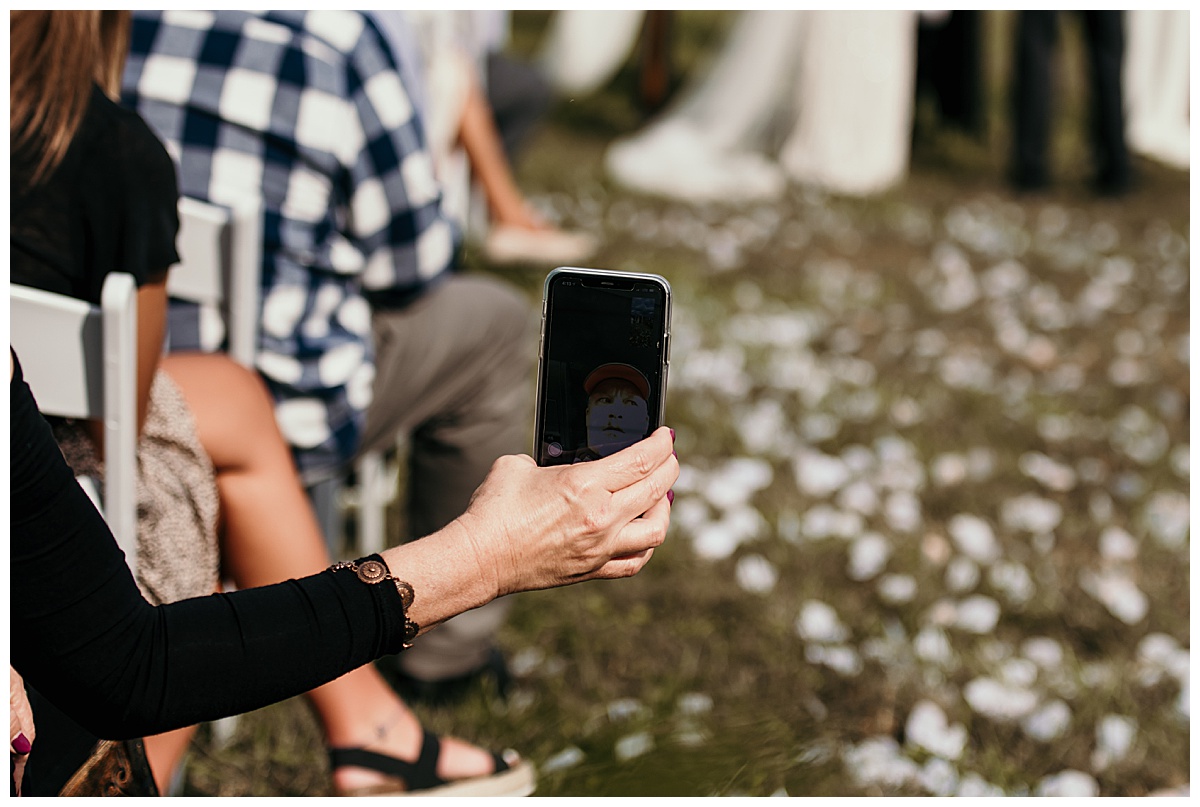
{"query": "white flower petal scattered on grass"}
pixel 633 745
pixel 693 704
pixel 859 496
pixel 902 511
pixel 1043 651
pixel 1068 784
pixel 719 539
pixel 565 759
pixel 624 709
pixel 1139 435
pixel 1115 735
pixel 736 481
pixel 900 466
pixel 826 521
pixel 1013 580
pixel 1048 472
pixel 868 556
pixel 840 658
pixel 978 614
pixel 763 428
pixel 819 622
pixel 1018 672
pixel 1181 461
pixel 1031 513
pixel 998 701
pixel 975 786
pixel 897 589
pixel 1167 516
pixel 948 470
pixel 689 514
pixel 933 646
pixel 526 660
pixel 879 761
pixel 818 474
pixel 1117 592
pixel 938 777
pixel 756 574
pixel 1049 722
pixel 1116 544
pixel 962 574
pixel 690 479
pixel 928 728
pixel 974 537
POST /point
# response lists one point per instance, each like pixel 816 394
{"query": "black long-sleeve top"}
pixel 83 636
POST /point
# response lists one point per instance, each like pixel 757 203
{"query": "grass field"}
pixel 932 532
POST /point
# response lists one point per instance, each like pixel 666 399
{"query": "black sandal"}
pixel 511 776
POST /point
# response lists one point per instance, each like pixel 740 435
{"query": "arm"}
pixel 395 200
pixel 82 634
pixel 489 163
pixel 151 331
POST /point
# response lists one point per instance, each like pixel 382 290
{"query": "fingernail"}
pixel 670 497
pixel 672 435
pixel 21 745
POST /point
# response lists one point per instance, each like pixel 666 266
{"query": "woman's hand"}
pixel 535 528
pixel 20 725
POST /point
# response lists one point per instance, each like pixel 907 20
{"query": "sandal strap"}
pixel 419 775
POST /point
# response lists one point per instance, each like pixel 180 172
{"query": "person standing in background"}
pixel 1037 34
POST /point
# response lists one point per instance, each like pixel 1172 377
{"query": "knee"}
pixel 225 398
pixel 507 312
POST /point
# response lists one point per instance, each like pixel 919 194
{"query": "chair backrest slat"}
pixel 80 360
pixel 220 251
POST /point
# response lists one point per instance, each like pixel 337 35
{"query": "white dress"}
pixel 837 84
pixel 1156 85
pixel 582 50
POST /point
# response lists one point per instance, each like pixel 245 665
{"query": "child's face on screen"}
pixel 617 416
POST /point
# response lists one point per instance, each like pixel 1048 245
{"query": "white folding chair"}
pixel 220 262
pixel 80 360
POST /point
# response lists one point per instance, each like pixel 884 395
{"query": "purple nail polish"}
pixel 670 497
pixel 672 435
pixel 21 745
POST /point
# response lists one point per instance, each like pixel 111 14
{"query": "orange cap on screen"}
pixel 625 372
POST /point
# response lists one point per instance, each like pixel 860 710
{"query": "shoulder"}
pixel 121 139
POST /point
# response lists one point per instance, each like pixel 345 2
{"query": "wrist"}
pixel 446 571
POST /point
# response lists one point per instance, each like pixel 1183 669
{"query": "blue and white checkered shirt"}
pixel 309 113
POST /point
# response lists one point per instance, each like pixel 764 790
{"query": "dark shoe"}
pixel 493 672
pixel 512 776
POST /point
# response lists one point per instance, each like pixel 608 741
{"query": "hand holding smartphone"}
pixel 603 362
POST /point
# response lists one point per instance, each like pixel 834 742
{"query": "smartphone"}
pixel 602 366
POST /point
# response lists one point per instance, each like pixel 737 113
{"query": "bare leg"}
pixel 164 752
pixel 269 534
pixel 489 163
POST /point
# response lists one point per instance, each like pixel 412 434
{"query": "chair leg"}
pixel 374 493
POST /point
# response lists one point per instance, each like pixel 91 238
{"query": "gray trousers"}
pixel 454 376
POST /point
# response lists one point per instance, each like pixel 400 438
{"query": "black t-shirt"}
pixel 111 205
pixel 83 636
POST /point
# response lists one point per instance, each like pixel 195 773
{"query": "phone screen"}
pixel 603 366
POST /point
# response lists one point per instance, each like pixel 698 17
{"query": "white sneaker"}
pixel 507 244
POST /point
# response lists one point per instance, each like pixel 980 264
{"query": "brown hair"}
pixel 54 58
